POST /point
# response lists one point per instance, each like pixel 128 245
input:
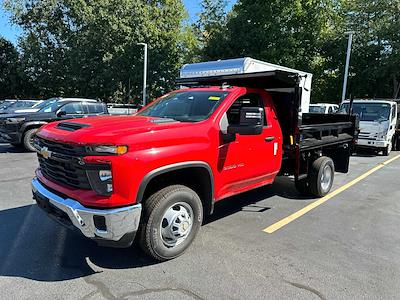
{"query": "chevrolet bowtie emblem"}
pixel 45 152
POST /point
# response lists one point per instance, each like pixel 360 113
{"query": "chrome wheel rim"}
pixel 326 177
pixel 176 224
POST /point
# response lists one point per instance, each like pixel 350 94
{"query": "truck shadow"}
pixel 250 202
pixel 33 246
pixel 7 148
pixel 367 153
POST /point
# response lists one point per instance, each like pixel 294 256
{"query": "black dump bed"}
pixel 319 130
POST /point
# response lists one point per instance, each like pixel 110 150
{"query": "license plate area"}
pixel 53 211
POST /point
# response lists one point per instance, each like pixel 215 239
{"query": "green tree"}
pixel 9 77
pixel 211 20
pixel 310 35
pixel 375 60
pixel 13 82
pixel 89 48
pixel 290 33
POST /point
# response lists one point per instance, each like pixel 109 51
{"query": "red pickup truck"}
pixel 157 174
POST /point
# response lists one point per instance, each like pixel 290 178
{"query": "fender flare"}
pixel 34 123
pixel 173 167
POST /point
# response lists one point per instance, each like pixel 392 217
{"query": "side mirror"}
pixel 61 113
pixel 251 122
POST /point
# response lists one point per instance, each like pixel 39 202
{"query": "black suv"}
pixel 19 129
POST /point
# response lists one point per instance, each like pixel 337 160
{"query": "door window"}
pixel 95 108
pixel 74 108
pixel 393 112
pixel 247 100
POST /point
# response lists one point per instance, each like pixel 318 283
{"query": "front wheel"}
pixel 28 139
pixel 322 173
pixel 171 219
pixel 386 151
pixel 397 143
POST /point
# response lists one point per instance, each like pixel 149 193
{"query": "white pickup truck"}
pixel 323 108
pixel 378 122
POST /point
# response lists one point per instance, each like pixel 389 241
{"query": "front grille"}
pixel 67 149
pixel 366 135
pixel 64 172
pixel 63 163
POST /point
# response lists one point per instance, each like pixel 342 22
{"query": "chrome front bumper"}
pixel 111 225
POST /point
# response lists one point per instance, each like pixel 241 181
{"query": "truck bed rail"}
pixel 319 130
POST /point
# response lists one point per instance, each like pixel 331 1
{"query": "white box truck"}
pixel 378 122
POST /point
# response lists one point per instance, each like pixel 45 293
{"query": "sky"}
pixel 11 32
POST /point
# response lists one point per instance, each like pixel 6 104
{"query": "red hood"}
pixel 109 129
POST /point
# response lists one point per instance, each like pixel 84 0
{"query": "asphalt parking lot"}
pixel 346 248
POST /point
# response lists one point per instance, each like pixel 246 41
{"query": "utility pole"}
pixel 144 72
pixel 346 71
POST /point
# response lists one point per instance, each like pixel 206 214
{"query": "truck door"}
pixel 393 119
pixel 72 110
pixel 250 160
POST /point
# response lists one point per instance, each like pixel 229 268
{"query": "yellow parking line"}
pixel 303 211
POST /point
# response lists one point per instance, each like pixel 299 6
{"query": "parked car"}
pixel 323 108
pixel 33 108
pixel 122 109
pixel 19 129
pixel 14 106
pixel 158 172
pixel 378 123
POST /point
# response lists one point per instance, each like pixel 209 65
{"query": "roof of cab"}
pixel 78 99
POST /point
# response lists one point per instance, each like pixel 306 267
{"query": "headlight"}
pixel 116 150
pixel 382 135
pixel 14 120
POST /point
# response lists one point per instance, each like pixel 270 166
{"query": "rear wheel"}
pixel 322 173
pixel 28 139
pixel 171 219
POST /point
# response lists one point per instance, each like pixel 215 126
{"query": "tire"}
pixel 28 139
pixel 386 151
pixel 303 187
pixel 397 146
pixel 173 205
pixel 322 173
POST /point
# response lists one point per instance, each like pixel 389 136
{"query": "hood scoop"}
pixel 71 126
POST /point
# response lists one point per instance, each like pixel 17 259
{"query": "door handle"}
pixel 269 139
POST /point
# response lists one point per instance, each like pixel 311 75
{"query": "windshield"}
pixel 50 105
pixel 22 104
pixel 317 109
pixel 6 104
pixel 369 112
pixel 190 106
